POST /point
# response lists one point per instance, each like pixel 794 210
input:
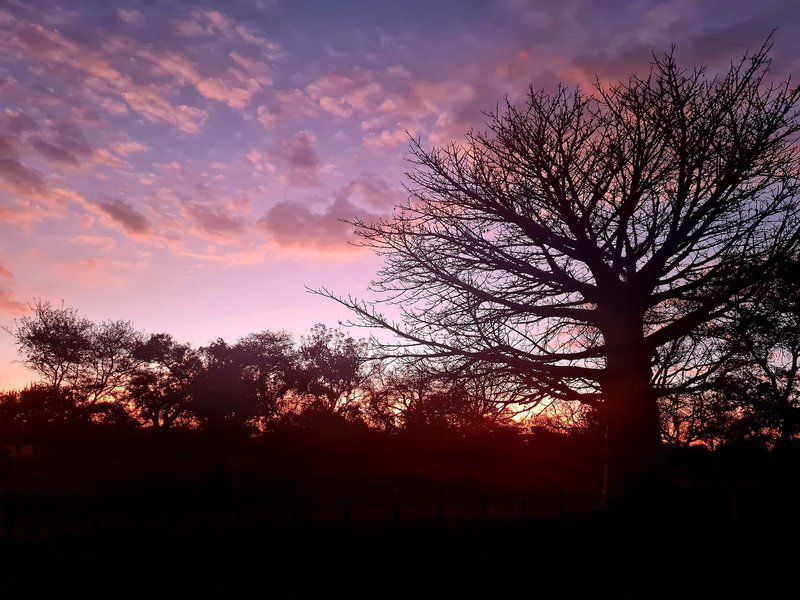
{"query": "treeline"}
pixel 108 376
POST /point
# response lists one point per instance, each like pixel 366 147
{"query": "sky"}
pixel 187 165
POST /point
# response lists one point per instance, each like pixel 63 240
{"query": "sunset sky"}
pixel 185 165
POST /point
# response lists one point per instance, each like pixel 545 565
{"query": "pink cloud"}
pixel 9 304
pixel 372 192
pixel 260 161
pixel 51 49
pixel 301 159
pixel 131 220
pixel 267 118
pixel 148 101
pixel 16 177
pixel 16 122
pixel 103 243
pixel 129 147
pixel 176 65
pixel 66 144
pixel 253 72
pixel 129 16
pixel 216 221
pixel 294 103
pixel 213 22
pixel 386 139
pixel 292 223
pixel 343 96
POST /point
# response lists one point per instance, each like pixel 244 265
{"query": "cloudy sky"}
pixel 185 165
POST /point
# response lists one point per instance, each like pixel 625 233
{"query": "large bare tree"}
pixel 582 237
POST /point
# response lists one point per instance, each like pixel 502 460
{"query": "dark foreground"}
pixel 566 558
pixel 334 522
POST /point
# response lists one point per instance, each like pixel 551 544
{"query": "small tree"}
pixel 161 388
pixel 330 371
pixel 109 361
pixel 268 362
pixel 223 399
pixel 53 342
pixel 93 361
pixel 766 334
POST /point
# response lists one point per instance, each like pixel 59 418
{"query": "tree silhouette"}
pixel 223 399
pixel 766 374
pixel 330 370
pixel 582 235
pixel 92 360
pixel 53 342
pixel 36 415
pixel 415 397
pixel 161 388
pixel 109 361
pixel 268 362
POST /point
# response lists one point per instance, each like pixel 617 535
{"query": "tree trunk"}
pixel 634 468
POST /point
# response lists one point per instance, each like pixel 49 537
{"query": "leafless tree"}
pixel 583 234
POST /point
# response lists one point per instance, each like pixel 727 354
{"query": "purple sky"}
pixel 185 165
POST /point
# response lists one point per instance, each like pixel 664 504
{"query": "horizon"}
pixel 185 166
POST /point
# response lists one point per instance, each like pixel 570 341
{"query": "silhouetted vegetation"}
pixel 600 307
pixel 289 424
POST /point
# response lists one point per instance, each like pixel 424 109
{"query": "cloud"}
pixel 16 122
pixel 174 64
pixel 148 101
pixel 127 148
pixel 20 179
pixel 16 177
pixel 251 71
pixel 66 145
pixel 129 16
pixel 386 139
pixel 213 22
pixel 294 103
pixel 215 221
pixel 372 192
pixel 130 219
pixel 343 95
pixel 301 159
pixel 103 82
pixel 292 223
pixel 259 161
pixel 267 118
pixel 9 304
pixel 101 242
